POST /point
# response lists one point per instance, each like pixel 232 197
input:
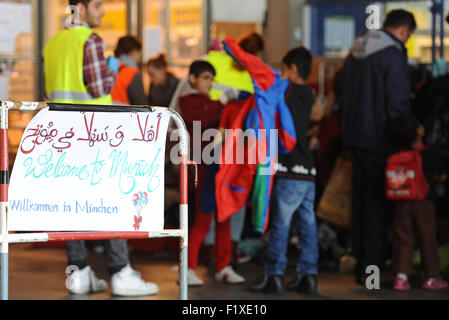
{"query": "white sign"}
pixel 15 18
pixel 84 171
pixel 152 42
pixel 248 11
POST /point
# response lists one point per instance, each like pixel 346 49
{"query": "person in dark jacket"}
pixel 375 84
pixel 294 190
pixel 163 82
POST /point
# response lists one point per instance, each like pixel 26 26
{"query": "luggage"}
pixel 335 204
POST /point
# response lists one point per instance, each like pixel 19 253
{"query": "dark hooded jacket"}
pixel 375 84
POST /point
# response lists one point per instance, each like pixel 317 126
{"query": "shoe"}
pixel 128 282
pixel 269 285
pixel 84 281
pixel 228 275
pixel 192 279
pixel 303 283
pixel 259 284
pixel 434 284
pixel 243 258
pixel 401 285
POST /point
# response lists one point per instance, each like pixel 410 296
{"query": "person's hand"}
pixel 317 110
pixel 230 94
pixel 314 143
pixel 113 64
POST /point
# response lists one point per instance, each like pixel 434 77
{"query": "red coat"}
pixel 266 110
pixel 234 182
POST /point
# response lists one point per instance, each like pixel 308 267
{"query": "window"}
pixel 339 34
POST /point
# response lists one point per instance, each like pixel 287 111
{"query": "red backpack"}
pixel 405 179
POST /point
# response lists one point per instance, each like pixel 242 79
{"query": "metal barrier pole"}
pixel 442 23
pixel 183 205
pixel 4 180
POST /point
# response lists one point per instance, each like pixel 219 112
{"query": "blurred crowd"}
pixel 359 181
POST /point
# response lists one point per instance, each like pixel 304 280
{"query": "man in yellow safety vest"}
pixel 77 72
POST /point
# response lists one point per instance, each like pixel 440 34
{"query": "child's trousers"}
pixel 408 218
pixel 222 241
pixel 200 229
pixel 292 196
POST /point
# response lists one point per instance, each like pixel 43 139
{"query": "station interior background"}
pixel 185 29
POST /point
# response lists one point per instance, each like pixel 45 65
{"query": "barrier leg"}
pixel 183 265
pixel 4 181
pixel 3 252
pixel 183 295
pixel 183 206
pixel 4 274
pixel 183 225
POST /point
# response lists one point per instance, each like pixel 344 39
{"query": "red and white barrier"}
pixel 6 238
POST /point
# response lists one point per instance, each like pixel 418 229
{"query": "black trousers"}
pixel 371 211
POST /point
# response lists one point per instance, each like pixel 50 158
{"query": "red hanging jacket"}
pixel 234 181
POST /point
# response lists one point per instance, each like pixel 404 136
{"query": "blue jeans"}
pixel 290 196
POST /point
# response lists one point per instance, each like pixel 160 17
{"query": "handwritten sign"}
pixel 84 171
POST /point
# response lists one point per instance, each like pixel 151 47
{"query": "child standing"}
pixel 197 106
pixel 418 215
pixel 294 189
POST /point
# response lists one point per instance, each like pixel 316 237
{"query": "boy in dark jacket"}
pixel 375 86
pixel 294 189
pixel 197 106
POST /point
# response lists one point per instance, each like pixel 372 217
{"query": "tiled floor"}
pixel 37 273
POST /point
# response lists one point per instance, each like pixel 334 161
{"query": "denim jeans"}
pixel 292 196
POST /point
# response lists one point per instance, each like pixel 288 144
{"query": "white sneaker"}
pixel 243 258
pixel 84 281
pixel 228 275
pixel 128 282
pixel 192 279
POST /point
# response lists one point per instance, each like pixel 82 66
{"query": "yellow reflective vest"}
pixel 63 63
pixel 227 75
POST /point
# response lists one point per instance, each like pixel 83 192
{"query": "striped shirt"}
pixel 98 80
